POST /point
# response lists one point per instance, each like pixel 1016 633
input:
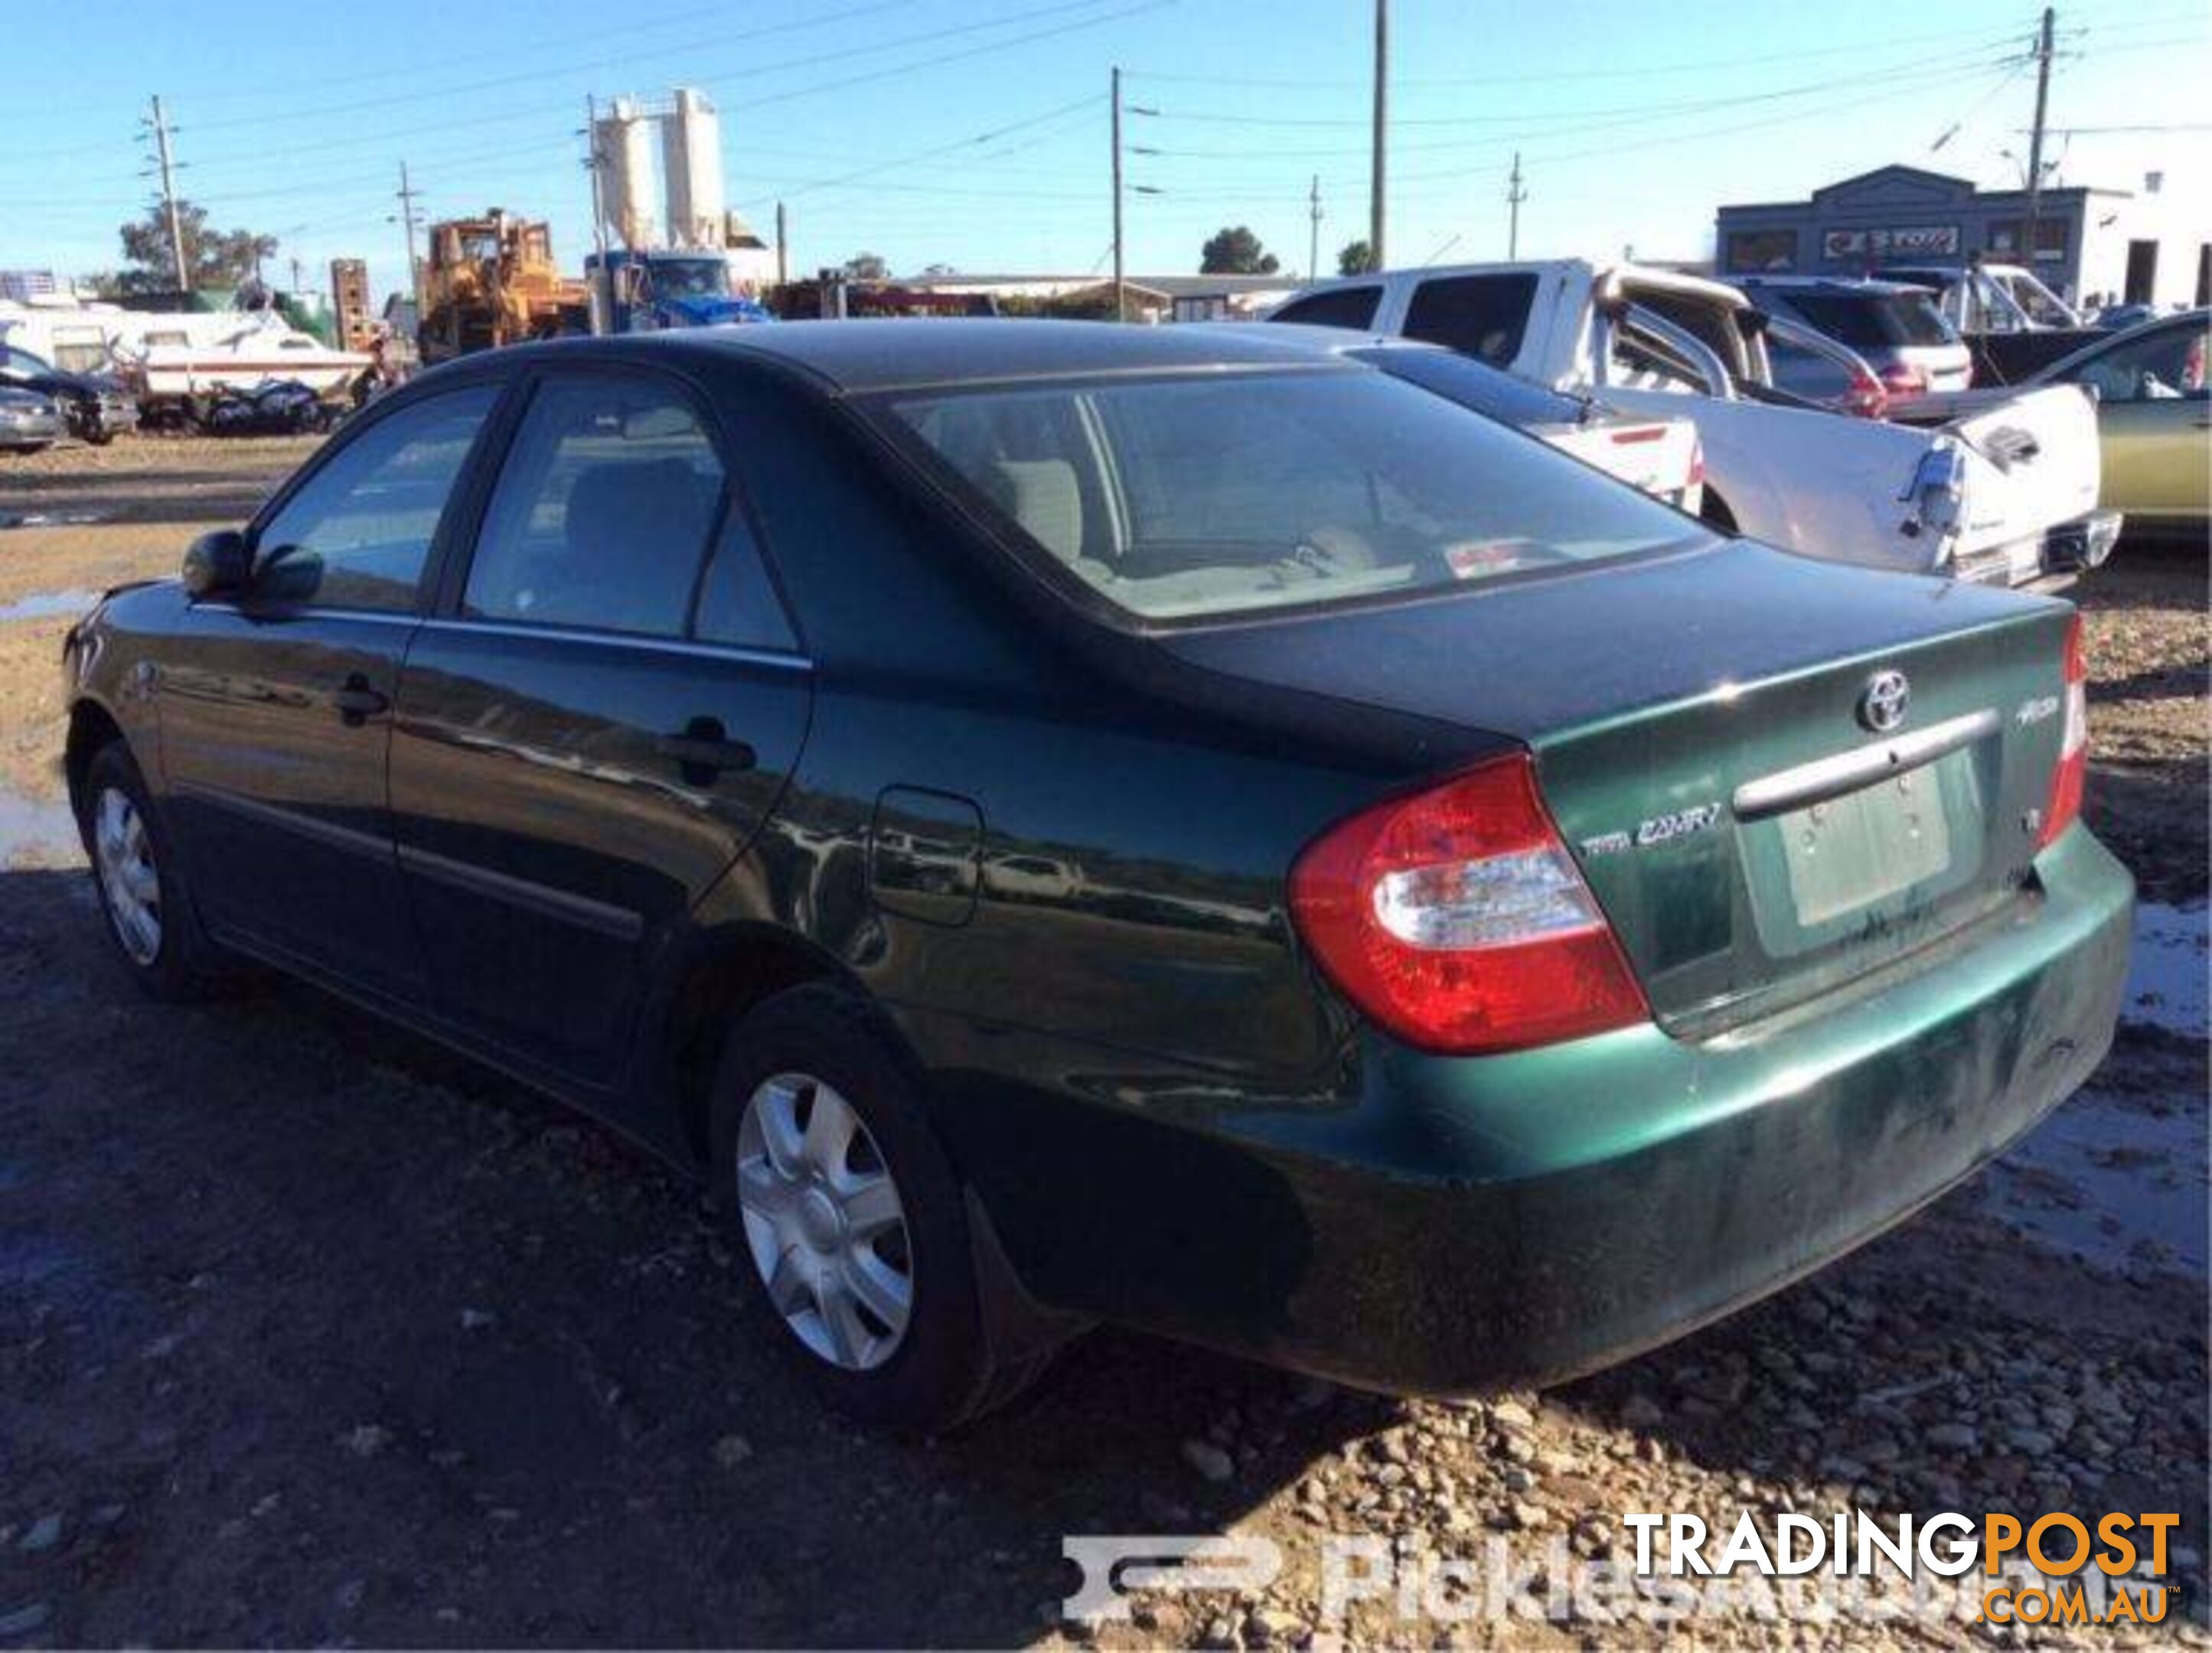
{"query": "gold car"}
pixel 2153 419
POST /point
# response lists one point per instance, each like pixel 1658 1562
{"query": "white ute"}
pixel 2005 492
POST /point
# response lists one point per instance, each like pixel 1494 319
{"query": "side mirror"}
pixel 216 564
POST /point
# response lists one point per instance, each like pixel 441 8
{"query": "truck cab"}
pixel 644 291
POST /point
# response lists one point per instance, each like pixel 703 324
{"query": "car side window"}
pixel 1805 372
pixel 358 531
pixel 1339 306
pixel 2163 366
pixel 1483 316
pixel 603 510
pixel 738 603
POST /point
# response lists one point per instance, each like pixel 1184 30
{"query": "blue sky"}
pixel 974 132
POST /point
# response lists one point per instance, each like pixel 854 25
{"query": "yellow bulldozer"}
pixel 491 281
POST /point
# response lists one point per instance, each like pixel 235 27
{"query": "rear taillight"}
pixel 1903 379
pixel 1865 399
pixel 1456 919
pixel 1696 463
pixel 2065 805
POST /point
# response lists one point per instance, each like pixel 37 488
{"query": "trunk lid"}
pixel 1699 735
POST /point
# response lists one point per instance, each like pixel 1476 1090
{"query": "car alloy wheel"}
pixel 824 1222
pixel 128 882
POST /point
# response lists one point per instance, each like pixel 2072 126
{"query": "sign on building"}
pixel 1909 241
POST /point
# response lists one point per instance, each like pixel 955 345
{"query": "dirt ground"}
pixel 310 1333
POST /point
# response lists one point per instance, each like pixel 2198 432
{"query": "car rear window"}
pixel 1337 307
pixel 1482 315
pixel 1873 320
pixel 1194 496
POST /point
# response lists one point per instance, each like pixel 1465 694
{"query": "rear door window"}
pixel 1485 316
pixel 1339 306
pixel 603 512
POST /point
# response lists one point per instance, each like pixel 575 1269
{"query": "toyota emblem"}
pixel 1881 708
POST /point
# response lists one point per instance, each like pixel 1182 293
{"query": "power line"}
pixel 1636 112
pixel 1639 72
pixel 992 137
pixel 598 66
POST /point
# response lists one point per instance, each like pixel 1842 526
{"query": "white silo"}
pixel 624 147
pixel 691 162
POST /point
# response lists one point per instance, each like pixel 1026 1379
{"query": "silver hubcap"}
pixel 824 1222
pixel 127 880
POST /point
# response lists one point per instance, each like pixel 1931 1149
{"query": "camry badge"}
pixel 1881 708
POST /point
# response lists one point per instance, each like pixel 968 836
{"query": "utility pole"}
pixel 407 219
pixel 1376 183
pixel 2027 233
pixel 783 253
pixel 1515 195
pixel 1313 233
pixel 161 125
pixel 602 282
pixel 1121 289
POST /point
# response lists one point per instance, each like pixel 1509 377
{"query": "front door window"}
pixel 358 531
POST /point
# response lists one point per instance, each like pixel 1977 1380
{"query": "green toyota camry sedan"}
pixel 1063 824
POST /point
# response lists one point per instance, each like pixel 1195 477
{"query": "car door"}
pixel 2154 420
pixel 274 706
pixel 598 720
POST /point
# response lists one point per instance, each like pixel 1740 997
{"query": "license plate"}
pixel 1853 851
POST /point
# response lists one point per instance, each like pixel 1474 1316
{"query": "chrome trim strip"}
pixel 347 838
pixel 619 922
pixel 1832 777
pixel 789 662
pixel 310 611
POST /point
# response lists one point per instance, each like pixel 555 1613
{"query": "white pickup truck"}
pixel 2001 487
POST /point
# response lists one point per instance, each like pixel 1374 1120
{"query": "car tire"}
pixel 141 888
pixel 1713 511
pixel 851 1215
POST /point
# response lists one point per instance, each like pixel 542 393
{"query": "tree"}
pixel 1354 258
pixel 868 267
pixel 1236 252
pixel 213 257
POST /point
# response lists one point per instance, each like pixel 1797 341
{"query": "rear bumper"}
pixel 2075 547
pixel 1450 1226
pixel 2047 562
pixel 30 430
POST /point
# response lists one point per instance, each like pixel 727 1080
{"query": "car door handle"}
pixel 357 702
pixel 703 748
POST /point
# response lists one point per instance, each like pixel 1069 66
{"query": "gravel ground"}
pixel 312 1333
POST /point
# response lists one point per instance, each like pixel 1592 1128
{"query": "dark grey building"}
pixel 2136 247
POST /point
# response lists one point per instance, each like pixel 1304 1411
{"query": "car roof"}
pixel 1313 336
pixel 876 354
pixel 1866 286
